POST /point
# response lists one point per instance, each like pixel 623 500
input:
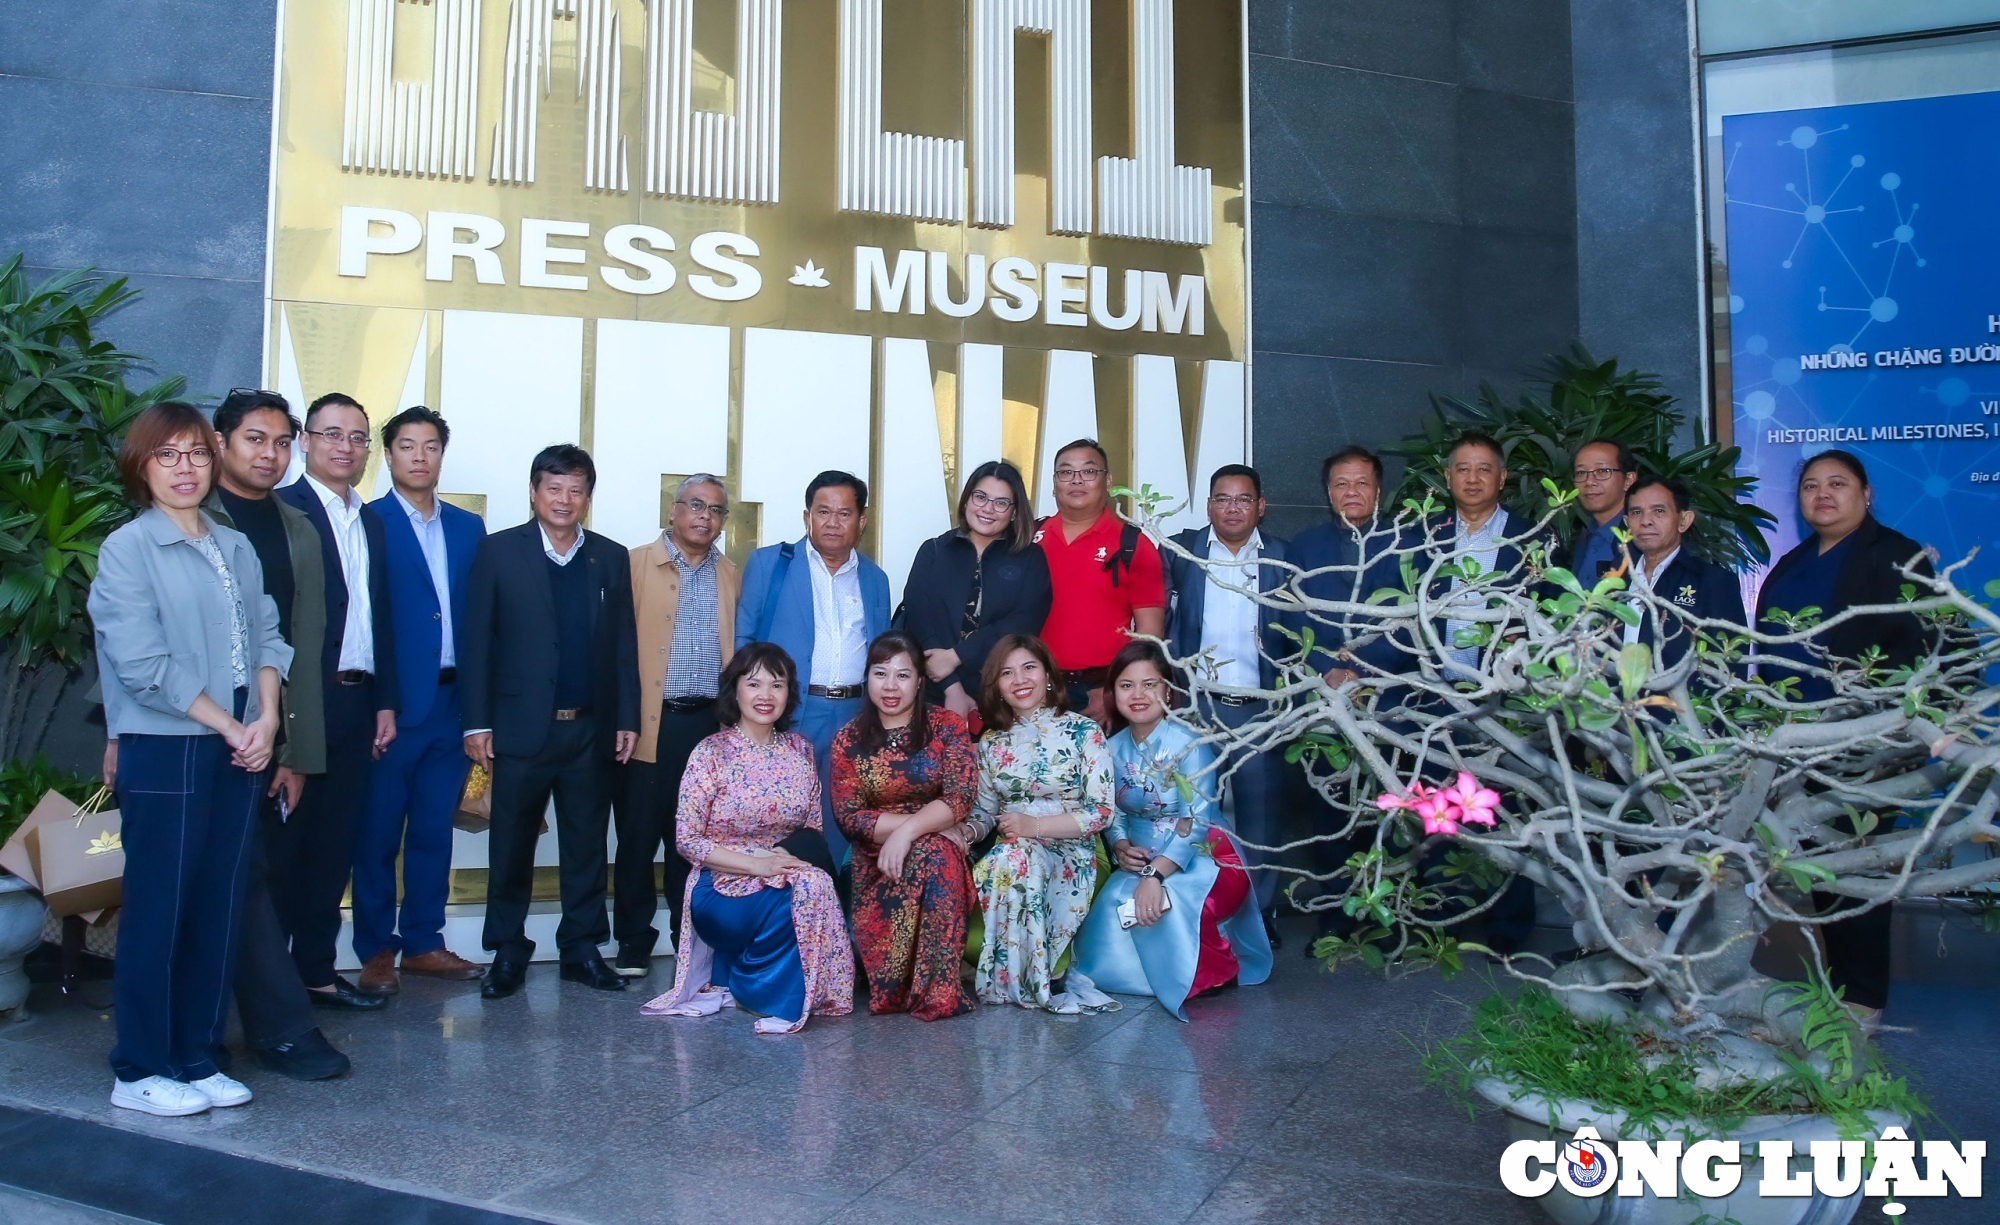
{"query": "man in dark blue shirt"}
pixel 1604 471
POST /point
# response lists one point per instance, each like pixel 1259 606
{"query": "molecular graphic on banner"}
pixel 1814 210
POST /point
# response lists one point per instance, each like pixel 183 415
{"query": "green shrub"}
pixel 1540 433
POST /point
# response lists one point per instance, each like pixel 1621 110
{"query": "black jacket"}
pixel 507 669
pixel 1697 588
pixel 1870 575
pixel 1014 594
pixel 302 495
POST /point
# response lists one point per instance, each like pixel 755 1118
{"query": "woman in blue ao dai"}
pixel 1197 925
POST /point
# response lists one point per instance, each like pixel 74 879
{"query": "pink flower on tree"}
pixel 1444 809
pixel 1476 805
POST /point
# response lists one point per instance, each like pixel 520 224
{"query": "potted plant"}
pixel 1676 813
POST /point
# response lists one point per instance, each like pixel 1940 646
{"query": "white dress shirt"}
pixel 840 623
pixel 430 538
pixel 1481 544
pixel 549 546
pixel 1643 578
pixel 350 539
pixel 1229 613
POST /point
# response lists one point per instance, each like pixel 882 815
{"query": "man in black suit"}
pixel 311 851
pixel 1659 512
pixel 1213 611
pixel 549 681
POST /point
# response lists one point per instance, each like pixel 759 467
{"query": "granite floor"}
pixel 1296 1101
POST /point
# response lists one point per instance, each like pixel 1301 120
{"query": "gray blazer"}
pixel 163 628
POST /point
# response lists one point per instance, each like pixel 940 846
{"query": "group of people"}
pixel 984 782
pixel 296 684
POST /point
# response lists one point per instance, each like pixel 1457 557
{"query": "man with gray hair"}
pixel 684 594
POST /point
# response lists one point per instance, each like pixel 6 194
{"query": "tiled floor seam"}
pixel 201 1141
pixel 1219 1184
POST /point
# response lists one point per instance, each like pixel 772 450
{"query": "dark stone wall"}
pixel 1639 282
pixel 1413 212
pixel 137 140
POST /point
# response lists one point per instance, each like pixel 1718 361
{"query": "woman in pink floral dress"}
pixel 1045 784
pixel 758 925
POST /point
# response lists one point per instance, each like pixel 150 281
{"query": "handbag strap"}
pixel 94 805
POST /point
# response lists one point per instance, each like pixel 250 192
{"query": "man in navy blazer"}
pixel 311 852
pixel 414 790
pixel 823 602
pixel 549 691
pixel 1659 512
pixel 1214 612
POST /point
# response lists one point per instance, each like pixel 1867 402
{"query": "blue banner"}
pixel 1864 279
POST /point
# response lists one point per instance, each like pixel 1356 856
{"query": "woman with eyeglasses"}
pixel 964 594
pixel 190 660
pixel 1178 918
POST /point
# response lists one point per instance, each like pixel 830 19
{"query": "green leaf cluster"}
pixel 1540 432
pixel 24 783
pixel 64 409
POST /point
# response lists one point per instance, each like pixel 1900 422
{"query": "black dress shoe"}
pixel 503 979
pixel 346 998
pixel 592 973
pixel 633 961
pixel 1271 932
pixel 308 1057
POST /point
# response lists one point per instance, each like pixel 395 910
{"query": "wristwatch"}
pixel 1149 872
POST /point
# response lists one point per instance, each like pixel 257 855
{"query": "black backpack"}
pixel 1128 546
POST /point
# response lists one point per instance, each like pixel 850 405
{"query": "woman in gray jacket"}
pixel 190 660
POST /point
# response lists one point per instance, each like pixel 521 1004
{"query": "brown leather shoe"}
pixel 378 977
pixel 441 963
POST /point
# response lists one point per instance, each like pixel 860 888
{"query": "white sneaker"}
pixel 221 1091
pixel 158 1095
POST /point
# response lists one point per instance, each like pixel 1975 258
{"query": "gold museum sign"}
pixel 766 237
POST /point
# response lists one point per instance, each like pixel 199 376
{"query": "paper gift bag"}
pixel 475 803
pixel 80 863
pixel 14 857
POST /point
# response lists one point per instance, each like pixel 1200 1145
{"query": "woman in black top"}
pixel 1849 560
pixel 977 583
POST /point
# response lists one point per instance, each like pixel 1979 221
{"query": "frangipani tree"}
pixel 1676 811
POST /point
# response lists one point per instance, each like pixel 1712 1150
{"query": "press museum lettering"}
pixel 634 259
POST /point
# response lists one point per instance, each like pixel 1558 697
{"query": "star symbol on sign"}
pixel 809 276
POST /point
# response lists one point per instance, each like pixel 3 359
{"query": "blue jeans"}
pixel 412 793
pixel 189 817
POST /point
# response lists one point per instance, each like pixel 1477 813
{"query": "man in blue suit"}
pixel 823 602
pixel 1213 611
pixel 414 789
pixel 311 852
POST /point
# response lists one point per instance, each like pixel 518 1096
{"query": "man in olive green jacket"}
pixel 257 431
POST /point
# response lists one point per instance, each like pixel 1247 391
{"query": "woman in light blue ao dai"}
pixel 1168 841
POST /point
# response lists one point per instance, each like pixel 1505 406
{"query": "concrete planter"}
pixel 1528 1115
pixel 21 913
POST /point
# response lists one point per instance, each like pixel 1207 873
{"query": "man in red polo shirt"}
pixel 1107 576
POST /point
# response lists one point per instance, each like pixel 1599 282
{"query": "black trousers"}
pixel 576 769
pixel 646 814
pixel 1857 950
pixel 311 855
pixel 269 996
